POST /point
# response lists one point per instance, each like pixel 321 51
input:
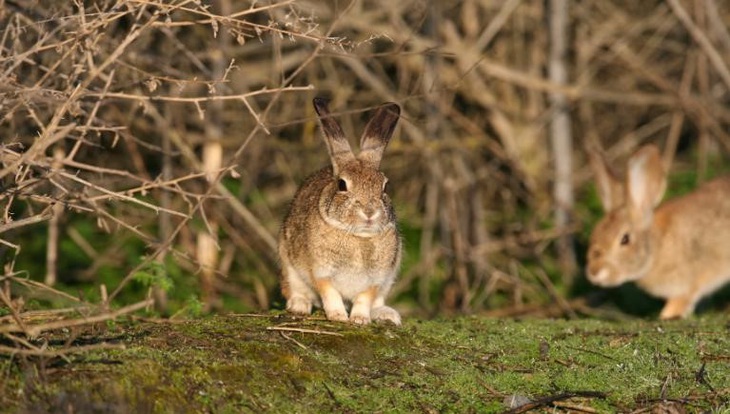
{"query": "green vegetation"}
pixel 273 363
pixel 179 132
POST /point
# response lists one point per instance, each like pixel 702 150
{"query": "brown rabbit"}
pixel 339 242
pixel 678 251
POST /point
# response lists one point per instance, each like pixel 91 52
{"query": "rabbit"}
pixel 678 250
pixel 339 242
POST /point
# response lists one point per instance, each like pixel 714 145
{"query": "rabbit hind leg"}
pixel 299 296
pixel 386 314
pixel 382 313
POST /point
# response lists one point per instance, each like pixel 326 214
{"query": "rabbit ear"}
pixel 645 184
pixel 337 145
pixel 378 133
pixel 610 188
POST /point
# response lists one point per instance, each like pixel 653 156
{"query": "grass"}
pixel 471 364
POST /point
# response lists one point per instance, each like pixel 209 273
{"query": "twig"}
pixel 44 314
pixel 542 402
pixel 701 377
pixel 13 311
pixel 302 330
pixel 59 352
pixel 699 36
pixel 202 99
pixel 46 214
pixel 35 330
pixel 574 408
pixel 44 141
pixel 119 195
pixel 299 344
pixel 32 284
pixel 560 300
pixel 331 394
pixel 250 315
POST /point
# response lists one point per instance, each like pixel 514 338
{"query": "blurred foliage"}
pixel 112 112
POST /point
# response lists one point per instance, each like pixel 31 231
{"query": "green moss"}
pixel 237 364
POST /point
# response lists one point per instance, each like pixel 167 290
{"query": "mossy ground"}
pixel 240 364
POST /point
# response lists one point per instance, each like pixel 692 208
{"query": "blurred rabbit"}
pixel 339 242
pixel 678 251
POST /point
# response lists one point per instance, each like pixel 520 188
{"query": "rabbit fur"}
pixel 339 243
pixel 678 250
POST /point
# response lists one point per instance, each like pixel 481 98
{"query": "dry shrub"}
pixel 179 131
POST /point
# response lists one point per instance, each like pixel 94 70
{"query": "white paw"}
pixel 336 315
pixel 385 313
pixel 359 319
pixel 299 306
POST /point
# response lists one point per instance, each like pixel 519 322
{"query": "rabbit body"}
pixel 339 243
pixel 678 251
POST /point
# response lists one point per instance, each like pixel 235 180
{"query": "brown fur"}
pixel 338 246
pixel 676 251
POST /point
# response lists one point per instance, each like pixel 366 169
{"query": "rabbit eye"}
pixel 386 187
pixel 341 185
pixel 625 239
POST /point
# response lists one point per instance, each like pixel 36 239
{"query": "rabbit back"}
pixel 692 235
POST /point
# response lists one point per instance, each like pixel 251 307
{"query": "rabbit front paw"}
pixel 336 315
pixel 385 313
pixel 359 318
pixel 299 305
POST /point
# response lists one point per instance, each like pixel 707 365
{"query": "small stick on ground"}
pixel 301 330
pixel 299 344
pixel 58 352
pixel 34 330
pixel 550 400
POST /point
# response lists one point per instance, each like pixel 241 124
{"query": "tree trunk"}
pixel 561 137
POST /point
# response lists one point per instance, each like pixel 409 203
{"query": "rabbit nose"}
pixel 370 213
pixel 594 262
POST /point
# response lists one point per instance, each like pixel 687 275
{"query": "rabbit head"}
pixel 620 245
pixel 355 199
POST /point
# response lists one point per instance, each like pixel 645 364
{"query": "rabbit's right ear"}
pixel 337 145
pixel 645 184
pixel 610 188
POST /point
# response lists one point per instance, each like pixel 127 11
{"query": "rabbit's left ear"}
pixel 378 133
pixel 645 184
pixel 609 185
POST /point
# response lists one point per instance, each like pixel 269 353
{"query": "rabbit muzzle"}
pixel 608 271
pixel 370 222
pixel 602 277
pixel 369 215
pixel 599 271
